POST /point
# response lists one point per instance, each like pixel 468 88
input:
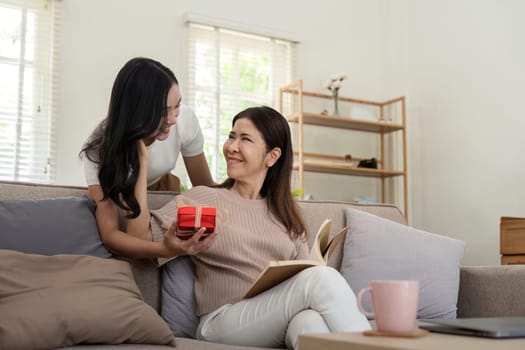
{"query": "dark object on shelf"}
pixel 348 158
pixel 368 163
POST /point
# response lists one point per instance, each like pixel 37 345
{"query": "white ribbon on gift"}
pixel 198 214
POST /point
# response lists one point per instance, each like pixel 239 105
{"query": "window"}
pixel 27 49
pixel 229 71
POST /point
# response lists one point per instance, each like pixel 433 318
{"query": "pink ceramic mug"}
pixel 394 304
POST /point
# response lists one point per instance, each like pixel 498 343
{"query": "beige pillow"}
pixel 62 300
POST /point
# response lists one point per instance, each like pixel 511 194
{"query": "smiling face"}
pixel 246 154
pixel 172 112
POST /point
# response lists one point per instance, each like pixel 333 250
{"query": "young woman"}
pixel 260 222
pixel 145 108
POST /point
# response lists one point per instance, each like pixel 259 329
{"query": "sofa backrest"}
pixel 145 271
pixel 315 212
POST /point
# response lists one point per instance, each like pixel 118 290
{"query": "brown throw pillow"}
pixel 48 302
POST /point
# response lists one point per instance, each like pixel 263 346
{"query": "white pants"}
pixel 316 300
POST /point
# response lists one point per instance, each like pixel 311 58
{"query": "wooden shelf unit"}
pixel 337 164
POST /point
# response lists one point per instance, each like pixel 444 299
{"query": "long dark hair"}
pixel 276 187
pixel 136 109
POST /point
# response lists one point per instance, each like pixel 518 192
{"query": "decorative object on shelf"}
pixel 365 200
pixel 368 163
pixel 298 192
pixel 334 84
pixel 390 162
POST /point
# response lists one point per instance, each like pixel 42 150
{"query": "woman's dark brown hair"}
pixel 136 109
pixel 276 187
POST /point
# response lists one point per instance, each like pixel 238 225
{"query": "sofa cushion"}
pixel 316 211
pixel 379 249
pixel 178 306
pixel 491 291
pixel 62 300
pixel 51 226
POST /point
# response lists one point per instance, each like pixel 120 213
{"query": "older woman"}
pixel 260 222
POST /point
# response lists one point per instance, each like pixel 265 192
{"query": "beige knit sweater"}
pixel 248 238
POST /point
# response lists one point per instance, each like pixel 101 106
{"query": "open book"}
pixel 278 271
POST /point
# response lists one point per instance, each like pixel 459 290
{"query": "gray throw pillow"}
pixel 379 249
pixel 177 298
pixel 51 226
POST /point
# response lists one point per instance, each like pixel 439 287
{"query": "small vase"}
pixel 336 102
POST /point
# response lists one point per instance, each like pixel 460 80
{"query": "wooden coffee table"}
pixel 432 341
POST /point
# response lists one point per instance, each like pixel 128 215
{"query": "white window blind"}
pixel 229 71
pixel 29 30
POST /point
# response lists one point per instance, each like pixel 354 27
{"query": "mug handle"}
pixel 360 306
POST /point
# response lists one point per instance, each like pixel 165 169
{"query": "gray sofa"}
pixel 484 290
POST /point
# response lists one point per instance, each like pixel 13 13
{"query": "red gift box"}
pixel 191 219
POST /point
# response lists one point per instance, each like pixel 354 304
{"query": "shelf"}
pixel 332 158
pixel 347 169
pixel 389 119
pixel 333 121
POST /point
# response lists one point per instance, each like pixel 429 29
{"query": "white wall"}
pixel 460 64
pixel 100 36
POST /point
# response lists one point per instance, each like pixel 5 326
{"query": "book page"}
pixel 277 272
pixel 321 241
pixel 334 242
